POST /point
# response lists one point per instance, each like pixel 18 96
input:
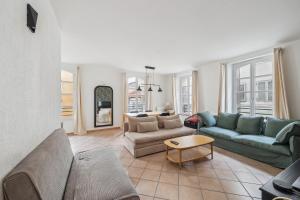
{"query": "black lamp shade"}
pixel 159 89
pixel 150 89
pixel 139 89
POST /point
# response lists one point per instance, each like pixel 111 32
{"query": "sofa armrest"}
pixel 295 147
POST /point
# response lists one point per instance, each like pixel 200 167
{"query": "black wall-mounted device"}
pixel 32 16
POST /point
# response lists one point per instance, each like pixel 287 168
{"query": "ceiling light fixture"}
pixel 149 80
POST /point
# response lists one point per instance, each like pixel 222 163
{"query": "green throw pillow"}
pixel 284 135
pixel 250 125
pixel 208 119
pixel 274 126
pixel 228 120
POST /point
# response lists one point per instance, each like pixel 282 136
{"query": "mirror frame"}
pixel 95 107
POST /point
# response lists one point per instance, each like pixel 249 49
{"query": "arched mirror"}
pixel 103 106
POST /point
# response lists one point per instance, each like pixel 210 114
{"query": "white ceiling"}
pixel 173 35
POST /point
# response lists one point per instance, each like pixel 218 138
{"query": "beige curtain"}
pixel 195 92
pixel 79 127
pixel 281 109
pixel 174 93
pixel 125 91
pixel 222 89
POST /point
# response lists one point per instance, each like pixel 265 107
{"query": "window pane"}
pixel 244 85
pixel 244 72
pixel 262 104
pixel 263 68
pixel 66 88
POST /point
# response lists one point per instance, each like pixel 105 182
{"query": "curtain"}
pixel 79 128
pixel 195 92
pixel 280 99
pixel 125 91
pixel 174 94
pixel 222 89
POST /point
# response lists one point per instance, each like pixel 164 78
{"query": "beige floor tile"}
pixel 247 177
pixel 263 178
pixel 151 175
pixel 234 187
pixel 210 184
pixel 189 180
pixel 206 172
pixel 237 197
pixel 220 165
pixel 154 165
pixel 171 178
pixel 143 197
pixel 134 181
pixel 253 189
pixel 188 193
pixel 139 163
pixel 146 187
pixel 226 174
pixel 203 164
pixel 170 167
pixel 167 191
pixel 188 169
pixel 135 172
pixel 211 195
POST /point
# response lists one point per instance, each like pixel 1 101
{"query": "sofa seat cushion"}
pixel 263 142
pixel 219 132
pixel 98 174
pixel 162 134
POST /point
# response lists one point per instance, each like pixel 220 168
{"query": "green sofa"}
pixel 254 137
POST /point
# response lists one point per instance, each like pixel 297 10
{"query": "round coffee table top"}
pixel 190 141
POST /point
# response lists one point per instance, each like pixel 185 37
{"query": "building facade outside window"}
pixel 136 99
pixel 253 86
pixel 185 95
pixel 66 101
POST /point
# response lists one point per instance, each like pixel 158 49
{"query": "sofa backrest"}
pixel 43 174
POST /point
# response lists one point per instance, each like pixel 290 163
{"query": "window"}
pixel 253 87
pixel 136 99
pixel 66 93
pixel 185 95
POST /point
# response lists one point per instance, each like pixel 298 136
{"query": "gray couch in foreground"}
pixel 51 172
pixel 141 144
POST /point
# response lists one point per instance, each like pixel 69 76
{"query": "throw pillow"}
pixel 274 126
pixel 161 119
pixel 143 127
pixel 250 125
pixel 132 122
pixel 173 123
pixel 228 120
pixel 284 135
pixel 208 119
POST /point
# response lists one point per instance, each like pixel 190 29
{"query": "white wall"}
pixel 95 74
pixel 29 84
pixel 209 78
pixel 291 57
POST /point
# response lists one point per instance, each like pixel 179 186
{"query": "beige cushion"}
pixel 173 123
pixel 162 134
pixel 143 127
pixel 161 119
pixel 134 120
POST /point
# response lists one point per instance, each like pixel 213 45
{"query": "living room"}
pixel 169 99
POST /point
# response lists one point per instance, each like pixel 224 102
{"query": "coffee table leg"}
pixel 212 150
pixel 180 158
pixel 167 152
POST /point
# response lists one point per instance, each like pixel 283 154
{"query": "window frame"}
pixel 136 96
pixel 252 89
pixel 189 95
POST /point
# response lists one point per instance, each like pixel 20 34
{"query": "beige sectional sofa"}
pixel 141 144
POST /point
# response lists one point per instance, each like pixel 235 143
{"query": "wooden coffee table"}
pixel 188 148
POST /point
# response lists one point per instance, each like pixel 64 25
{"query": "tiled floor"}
pixel 228 176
